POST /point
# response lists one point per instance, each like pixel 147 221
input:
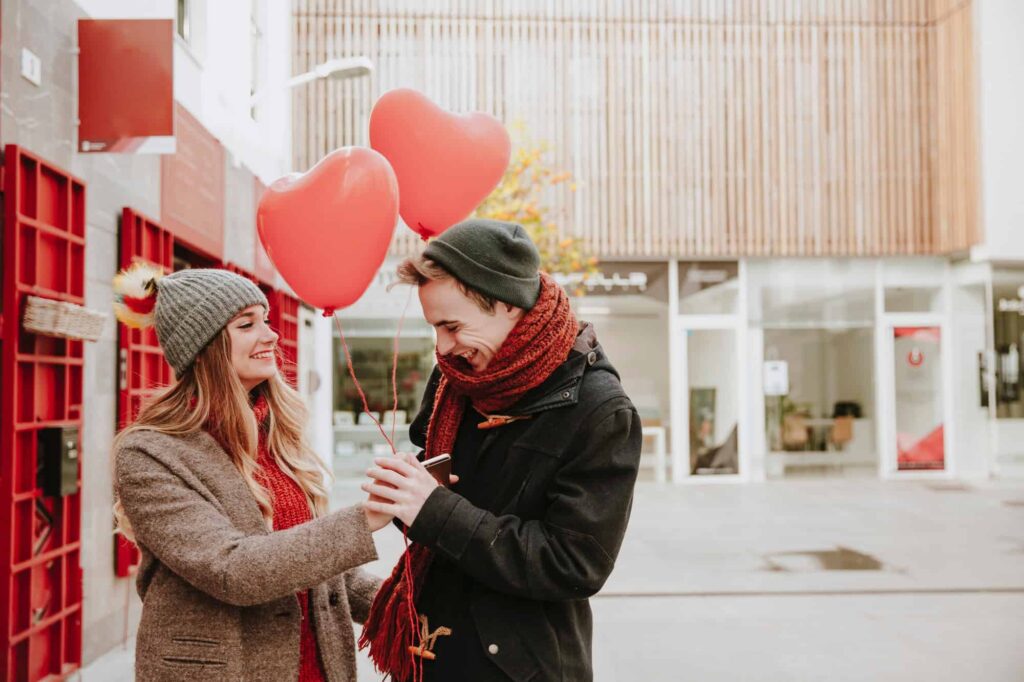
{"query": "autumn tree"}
pixel 520 198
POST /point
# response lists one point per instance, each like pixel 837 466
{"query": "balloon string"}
pixel 362 394
pixel 413 624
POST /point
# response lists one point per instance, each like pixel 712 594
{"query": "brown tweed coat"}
pixel 218 588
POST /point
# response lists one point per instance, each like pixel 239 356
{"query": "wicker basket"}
pixel 64 320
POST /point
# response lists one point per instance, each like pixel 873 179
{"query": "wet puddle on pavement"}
pixel 838 559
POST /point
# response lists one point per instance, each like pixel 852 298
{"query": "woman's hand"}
pixel 376 520
pixel 400 487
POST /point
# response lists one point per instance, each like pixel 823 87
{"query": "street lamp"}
pixel 335 69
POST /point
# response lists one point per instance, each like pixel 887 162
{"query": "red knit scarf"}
pixel 538 344
pixel 290 508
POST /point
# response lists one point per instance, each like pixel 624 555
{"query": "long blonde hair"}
pixel 186 407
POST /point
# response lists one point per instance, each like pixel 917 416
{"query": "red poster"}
pixel 126 86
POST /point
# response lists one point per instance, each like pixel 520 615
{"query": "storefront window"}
pixel 823 398
pixel 818 323
pixel 1008 326
pixel 371 342
pixel 627 303
pixel 806 294
pixel 913 299
pixel 708 288
pixel 913 285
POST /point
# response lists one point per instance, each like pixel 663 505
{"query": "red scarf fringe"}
pixel 538 344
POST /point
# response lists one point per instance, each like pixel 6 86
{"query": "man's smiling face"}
pixel 463 328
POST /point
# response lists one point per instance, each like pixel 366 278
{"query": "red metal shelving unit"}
pixel 141 365
pixel 40 387
pixel 284 318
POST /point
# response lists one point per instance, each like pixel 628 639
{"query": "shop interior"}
pixel 819 339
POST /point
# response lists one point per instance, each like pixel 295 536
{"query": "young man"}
pixel 546 447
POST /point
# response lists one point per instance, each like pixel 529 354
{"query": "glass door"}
pixel 709 399
pixel 919 425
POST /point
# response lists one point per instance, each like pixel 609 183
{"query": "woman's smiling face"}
pixel 253 343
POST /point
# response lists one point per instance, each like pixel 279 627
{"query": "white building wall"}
pixel 261 144
pixel 213 71
pixel 1000 58
pixel 973 438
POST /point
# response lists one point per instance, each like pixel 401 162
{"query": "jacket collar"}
pixel 563 386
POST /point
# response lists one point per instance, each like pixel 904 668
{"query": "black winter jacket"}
pixel 533 527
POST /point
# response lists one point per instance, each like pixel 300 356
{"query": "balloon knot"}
pixel 328 312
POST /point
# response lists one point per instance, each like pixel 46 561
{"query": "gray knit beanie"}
pixel 490 256
pixel 192 306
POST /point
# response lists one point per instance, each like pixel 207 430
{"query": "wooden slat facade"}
pixel 701 128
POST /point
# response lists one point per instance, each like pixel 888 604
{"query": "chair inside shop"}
pixel 721 459
pixel 795 432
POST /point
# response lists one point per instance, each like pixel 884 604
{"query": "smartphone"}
pixel 440 468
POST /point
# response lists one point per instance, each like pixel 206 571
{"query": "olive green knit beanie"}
pixel 490 256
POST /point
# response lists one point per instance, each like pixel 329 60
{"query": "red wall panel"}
pixel 192 186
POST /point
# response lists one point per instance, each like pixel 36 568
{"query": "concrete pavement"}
pixel 840 638
pixel 722 582
pixel 846 579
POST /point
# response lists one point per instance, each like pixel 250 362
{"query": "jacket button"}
pixel 492 649
pixel 334 599
pixel 591 357
pixel 566 395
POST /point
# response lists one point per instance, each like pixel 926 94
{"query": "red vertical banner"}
pixel 41 397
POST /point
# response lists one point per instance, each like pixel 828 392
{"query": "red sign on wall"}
pixel 126 86
pixel 192 187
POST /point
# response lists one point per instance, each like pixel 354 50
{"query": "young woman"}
pixel 244 575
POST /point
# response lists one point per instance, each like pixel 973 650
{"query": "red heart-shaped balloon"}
pixel 446 163
pixel 328 229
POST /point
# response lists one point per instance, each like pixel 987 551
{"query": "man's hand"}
pixel 400 487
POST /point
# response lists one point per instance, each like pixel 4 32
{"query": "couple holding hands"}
pixel 246 575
